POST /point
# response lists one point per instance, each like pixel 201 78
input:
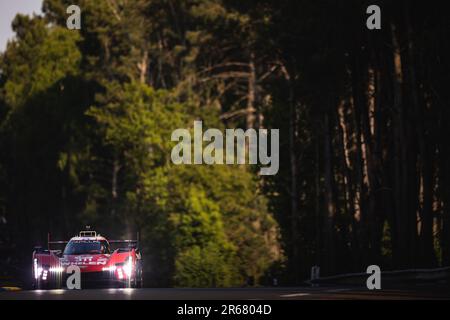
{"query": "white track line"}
pixel 338 290
pixel 293 295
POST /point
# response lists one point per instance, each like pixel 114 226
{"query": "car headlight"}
pixel 110 268
pixel 37 269
pixel 56 269
pixel 128 266
pixel 124 269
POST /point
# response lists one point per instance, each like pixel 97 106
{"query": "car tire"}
pixel 138 280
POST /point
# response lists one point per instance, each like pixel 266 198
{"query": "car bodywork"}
pixel 91 252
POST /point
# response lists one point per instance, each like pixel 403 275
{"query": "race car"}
pixel 98 263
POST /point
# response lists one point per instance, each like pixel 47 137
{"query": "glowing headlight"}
pixel 128 266
pixel 57 269
pixel 111 268
pixel 37 270
pixel 119 273
pixel 124 269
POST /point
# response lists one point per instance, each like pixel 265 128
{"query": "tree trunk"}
pixel 143 67
pixel 348 185
pixel 251 95
pixel 294 191
pixel 330 209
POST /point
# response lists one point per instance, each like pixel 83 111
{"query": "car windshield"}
pixel 86 247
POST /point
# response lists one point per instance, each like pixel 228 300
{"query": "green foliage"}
pixel 190 207
pixel 43 129
pixel 87 139
pixel 37 59
pixel 198 221
pixel 136 120
pixel 205 258
pixel 205 267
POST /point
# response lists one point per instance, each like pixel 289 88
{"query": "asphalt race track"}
pixel 300 293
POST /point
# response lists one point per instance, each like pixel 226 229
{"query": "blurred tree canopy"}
pixel 86 140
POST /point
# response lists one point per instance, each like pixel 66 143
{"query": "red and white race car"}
pixel 93 255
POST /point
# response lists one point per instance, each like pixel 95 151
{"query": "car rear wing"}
pixel 54 242
pixel 129 243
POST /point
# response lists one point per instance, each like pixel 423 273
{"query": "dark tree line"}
pixel 367 113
